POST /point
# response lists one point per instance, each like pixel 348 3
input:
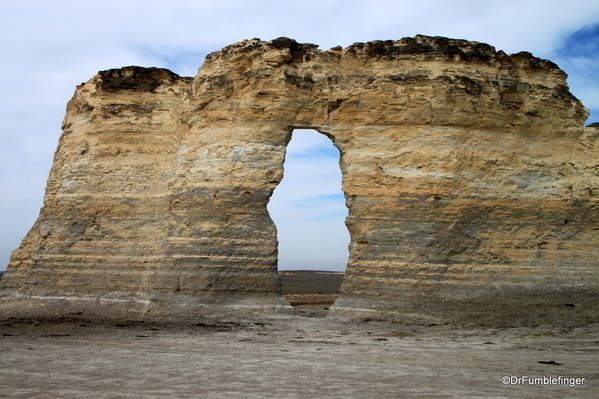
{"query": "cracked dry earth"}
pixel 290 357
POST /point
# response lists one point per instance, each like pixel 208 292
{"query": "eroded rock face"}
pixel 467 174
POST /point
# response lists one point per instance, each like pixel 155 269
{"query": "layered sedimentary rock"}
pixel 467 174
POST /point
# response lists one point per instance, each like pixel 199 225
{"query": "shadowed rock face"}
pixel 467 173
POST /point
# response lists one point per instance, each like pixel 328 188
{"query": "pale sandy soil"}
pixel 290 357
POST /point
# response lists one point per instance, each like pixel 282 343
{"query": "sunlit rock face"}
pixel 467 173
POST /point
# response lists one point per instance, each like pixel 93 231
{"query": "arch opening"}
pixel 308 209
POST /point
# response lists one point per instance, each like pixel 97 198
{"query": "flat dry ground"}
pixel 291 357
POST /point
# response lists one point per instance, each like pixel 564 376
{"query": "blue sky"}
pixel 49 47
pixel 578 55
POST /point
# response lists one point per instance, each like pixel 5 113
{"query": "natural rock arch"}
pixel 467 173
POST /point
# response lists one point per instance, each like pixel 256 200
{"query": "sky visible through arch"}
pixel 49 47
pixel 308 206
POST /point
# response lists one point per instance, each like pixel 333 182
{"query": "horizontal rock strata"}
pixel 467 174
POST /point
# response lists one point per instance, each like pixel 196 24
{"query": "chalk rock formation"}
pixel 467 174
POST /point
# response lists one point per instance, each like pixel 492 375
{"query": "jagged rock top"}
pixel 427 47
pixel 520 84
pixel 137 78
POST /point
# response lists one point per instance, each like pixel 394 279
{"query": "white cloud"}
pixel 49 47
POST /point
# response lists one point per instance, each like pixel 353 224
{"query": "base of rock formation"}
pixel 497 308
pixel 167 308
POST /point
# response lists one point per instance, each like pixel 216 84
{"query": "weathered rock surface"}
pixel 469 179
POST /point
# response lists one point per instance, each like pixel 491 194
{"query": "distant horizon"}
pixel 311 271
